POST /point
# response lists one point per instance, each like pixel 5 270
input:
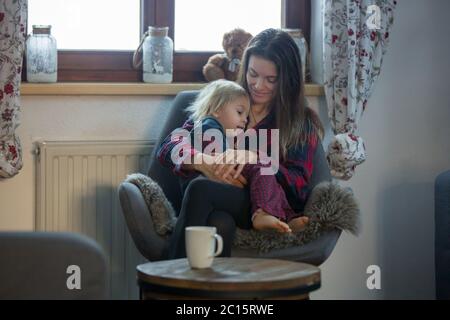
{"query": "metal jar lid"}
pixel 41 29
pixel 158 31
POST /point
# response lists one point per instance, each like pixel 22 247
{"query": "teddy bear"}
pixel 226 65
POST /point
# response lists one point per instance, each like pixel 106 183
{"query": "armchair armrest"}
pixel 34 265
pixel 139 222
pixel 314 252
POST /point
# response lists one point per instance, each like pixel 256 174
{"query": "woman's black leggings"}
pixel 210 203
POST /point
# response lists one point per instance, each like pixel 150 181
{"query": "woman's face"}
pixel 262 78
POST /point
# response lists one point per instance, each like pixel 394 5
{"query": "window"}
pixel 77 27
pixel 101 63
pixel 197 31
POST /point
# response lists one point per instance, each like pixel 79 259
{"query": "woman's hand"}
pixel 232 162
pixel 206 165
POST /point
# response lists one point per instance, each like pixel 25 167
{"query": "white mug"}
pixel 200 243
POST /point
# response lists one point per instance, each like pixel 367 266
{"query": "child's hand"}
pixel 236 182
pixel 205 164
pixel 239 181
pixel 233 161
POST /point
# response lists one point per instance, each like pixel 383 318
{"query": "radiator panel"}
pixel 76 188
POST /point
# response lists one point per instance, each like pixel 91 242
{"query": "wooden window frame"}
pixel 116 66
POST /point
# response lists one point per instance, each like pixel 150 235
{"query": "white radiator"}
pixel 76 187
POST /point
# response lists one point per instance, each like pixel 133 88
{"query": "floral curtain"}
pixel 13 21
pixel 356 35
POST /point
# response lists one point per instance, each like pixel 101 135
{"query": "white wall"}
pixel 73 118
pixel 406 128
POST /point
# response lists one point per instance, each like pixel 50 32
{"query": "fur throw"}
pixel 163 214
pixel 329 206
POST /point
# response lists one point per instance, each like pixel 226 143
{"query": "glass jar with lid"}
pixel 41 55
pixel 158 56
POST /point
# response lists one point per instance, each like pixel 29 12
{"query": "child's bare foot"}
pixel 265 221
pixel 298 224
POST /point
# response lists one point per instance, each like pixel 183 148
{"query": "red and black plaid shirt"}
pixel 293 175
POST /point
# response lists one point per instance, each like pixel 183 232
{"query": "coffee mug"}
pixel 200 243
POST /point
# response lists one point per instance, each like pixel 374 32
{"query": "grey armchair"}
pixel 34 265
pixel 152 246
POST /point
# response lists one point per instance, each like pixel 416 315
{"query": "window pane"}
pixel 200 24
pixel 89 24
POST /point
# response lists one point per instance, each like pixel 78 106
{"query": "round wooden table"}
pixel 228 278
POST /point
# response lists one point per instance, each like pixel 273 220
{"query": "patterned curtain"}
pixel 356 35
pixel 13 21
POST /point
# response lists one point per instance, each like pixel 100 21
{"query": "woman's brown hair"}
pixel 293 118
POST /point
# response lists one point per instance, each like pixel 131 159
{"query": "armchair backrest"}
pixel 169 182
pixel 163 175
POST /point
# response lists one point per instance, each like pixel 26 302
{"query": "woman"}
pixel 271 74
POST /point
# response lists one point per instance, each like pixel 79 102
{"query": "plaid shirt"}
pixel 293 175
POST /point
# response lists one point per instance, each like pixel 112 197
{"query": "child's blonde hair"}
pixel 214 96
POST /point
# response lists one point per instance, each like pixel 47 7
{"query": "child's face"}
pixel 234 114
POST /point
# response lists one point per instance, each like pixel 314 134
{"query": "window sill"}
pixel 125 89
